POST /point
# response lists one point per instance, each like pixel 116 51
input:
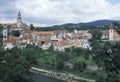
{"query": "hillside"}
pixel 93 23
pixel 98 22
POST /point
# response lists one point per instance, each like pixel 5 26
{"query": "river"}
pixel 42 78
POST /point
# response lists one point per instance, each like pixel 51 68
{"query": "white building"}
pixel 5 33
pixel 111 32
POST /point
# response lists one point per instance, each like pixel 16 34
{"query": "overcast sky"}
pixel 52 12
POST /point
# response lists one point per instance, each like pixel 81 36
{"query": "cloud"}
pixel 51 12
pixel 7 11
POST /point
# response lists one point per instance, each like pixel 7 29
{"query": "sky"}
pixel 54 12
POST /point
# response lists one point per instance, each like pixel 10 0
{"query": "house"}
pixel 110 34
pixel 62 45
pixel 10 42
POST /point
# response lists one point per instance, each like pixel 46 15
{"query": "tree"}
pixel 1 36
pixel 116 26
pixel 31 54
pixel 100 79
pixel 108 57
pixel 32 27
pixel 14 66
pixel 80 66
pixel 96 34
pixel 51 48
pixel 59 61
pixel 60 65
pixel 15 33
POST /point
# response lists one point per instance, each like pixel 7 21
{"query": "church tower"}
pixel 111 32
pixel 19 20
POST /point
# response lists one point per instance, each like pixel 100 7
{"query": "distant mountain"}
pixel 98 23
pixel 103 24
pixel 93 23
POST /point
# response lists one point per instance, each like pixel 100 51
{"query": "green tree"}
pixel 15 33
pixel 31 54
pixel 80 66
pixel 59 61
pixel 1 36
pixel 116 26
pixel 100 79
pixel 60 65
pixel 108 57
pixel 15 64
pixel 32 27
pixel 96 34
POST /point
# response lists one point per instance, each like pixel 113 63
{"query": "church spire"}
pixel 19 20
pixel 19 14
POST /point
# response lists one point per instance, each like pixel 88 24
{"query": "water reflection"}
pixel 41 78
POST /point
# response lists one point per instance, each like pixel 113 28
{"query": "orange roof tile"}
pixel 43 32
pixel 27 37
pixel 13 25
pixel 79 37
pixel 62 43
pixel 13 41
pixel 116 34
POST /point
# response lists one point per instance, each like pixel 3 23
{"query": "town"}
pixel 59 39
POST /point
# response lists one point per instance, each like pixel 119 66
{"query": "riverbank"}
pixel 37 77
pixel 61 76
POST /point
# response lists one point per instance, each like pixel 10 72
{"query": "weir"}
pixel 62 77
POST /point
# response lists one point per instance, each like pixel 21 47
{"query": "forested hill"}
pixel 102 24
pixel 93 23
pixel 98 23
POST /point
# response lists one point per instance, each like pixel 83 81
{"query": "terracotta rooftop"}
pixel 27 37
pixel 79 37
pixel 43 32
pixel 62 43
pixel 13 41
pixel 116 34
pixel 13 25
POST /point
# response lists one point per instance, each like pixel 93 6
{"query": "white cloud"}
pixel 4 20
pixel 51 12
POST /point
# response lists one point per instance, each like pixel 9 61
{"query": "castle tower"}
pixel 111 32
pixel 5 33
pixel 19 20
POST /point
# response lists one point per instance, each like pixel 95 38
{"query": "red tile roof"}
pixel 14 25
pixel 43 32
pixel 13 41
